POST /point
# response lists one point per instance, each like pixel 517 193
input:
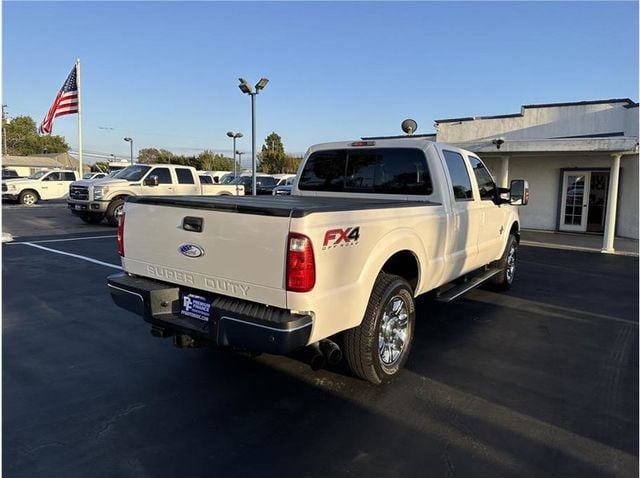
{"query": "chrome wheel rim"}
pixel 118 211
pixel 29 199
pixel 394 329
pixel 511 264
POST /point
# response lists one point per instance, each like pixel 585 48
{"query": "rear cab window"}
pixel 401 171
pixel 185 176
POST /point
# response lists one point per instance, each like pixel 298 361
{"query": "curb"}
pixel 550 245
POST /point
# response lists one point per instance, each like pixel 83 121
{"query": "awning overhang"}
pixel 570 145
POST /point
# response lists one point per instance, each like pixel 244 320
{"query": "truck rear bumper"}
pixel 232 322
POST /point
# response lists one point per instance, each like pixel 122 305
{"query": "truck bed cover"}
pixel 281 206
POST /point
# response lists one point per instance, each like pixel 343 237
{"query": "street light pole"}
pixel 246 88
pixel 233 136
pixel 130 141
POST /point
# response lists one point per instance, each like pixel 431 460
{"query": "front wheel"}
pixel 28 198
pixel 114 211
pixel 507 265
pixel 378 348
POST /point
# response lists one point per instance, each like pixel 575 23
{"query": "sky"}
pixel 166 73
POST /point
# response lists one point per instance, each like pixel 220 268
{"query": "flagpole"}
pixel 79 118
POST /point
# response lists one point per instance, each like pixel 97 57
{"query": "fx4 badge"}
pixel 341 237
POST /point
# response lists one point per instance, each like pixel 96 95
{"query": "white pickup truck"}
pixel 369 226
pixel 93 200
pixel 40 185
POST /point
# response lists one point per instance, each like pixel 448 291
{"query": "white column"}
pixel 503 180
pixel 612 205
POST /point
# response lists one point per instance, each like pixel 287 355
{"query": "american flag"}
pixel 66 103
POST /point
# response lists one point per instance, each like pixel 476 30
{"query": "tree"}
pixel 23 139
pixel 272 157
pixel 210 161
pixel 156 156
pixel 100 167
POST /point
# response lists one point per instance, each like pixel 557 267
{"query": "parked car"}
pixel 264 184
pixel 284 179
pixel 215 175
pixel 369 226
pixel 94 176
pixel 282 190
pixel 39 186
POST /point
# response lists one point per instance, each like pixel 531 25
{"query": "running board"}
pixel 457 291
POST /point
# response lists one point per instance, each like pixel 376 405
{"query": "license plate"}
pixel 78 206
pixel 196 307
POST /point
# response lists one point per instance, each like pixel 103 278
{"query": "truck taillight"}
pixel 121 235
pixel 301 266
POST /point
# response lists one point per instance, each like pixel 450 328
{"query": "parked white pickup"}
pixel 40 185
pixel 93 201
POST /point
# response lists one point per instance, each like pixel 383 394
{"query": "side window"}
pixel 486 185
pixel 206 179
pixel 184 176
pixel 52 177
pixel 68 177
pixel 268 181
pixel 164 175
pixel 459 176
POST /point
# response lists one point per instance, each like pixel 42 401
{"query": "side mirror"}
pixel 152 181
pixel 519 192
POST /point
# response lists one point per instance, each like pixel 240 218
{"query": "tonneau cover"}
pixel 281 206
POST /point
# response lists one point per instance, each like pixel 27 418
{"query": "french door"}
pixel 575 201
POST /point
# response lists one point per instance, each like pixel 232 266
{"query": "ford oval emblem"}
pixel 191 250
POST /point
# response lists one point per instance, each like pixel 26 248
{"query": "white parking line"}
pixel 71 239
pixel 77 256
pixel 9 238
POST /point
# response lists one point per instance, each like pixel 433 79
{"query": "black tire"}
pixel 28 197
pixel 507 265
pixel 92 219
pixel 362 344
pixel 113 211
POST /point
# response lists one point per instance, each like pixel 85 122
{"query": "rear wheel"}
pixel 507 265
pixel 378 348
pixel 28 197
pixel 114 211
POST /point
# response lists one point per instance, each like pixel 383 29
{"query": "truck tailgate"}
pixel 243 254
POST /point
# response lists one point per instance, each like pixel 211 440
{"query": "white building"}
pixel 581 161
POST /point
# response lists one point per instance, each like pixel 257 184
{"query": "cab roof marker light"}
pixel 363 143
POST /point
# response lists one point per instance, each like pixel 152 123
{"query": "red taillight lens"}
pixel 301 265
pixel 121 235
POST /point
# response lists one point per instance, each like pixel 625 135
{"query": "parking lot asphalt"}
pixel 539 381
